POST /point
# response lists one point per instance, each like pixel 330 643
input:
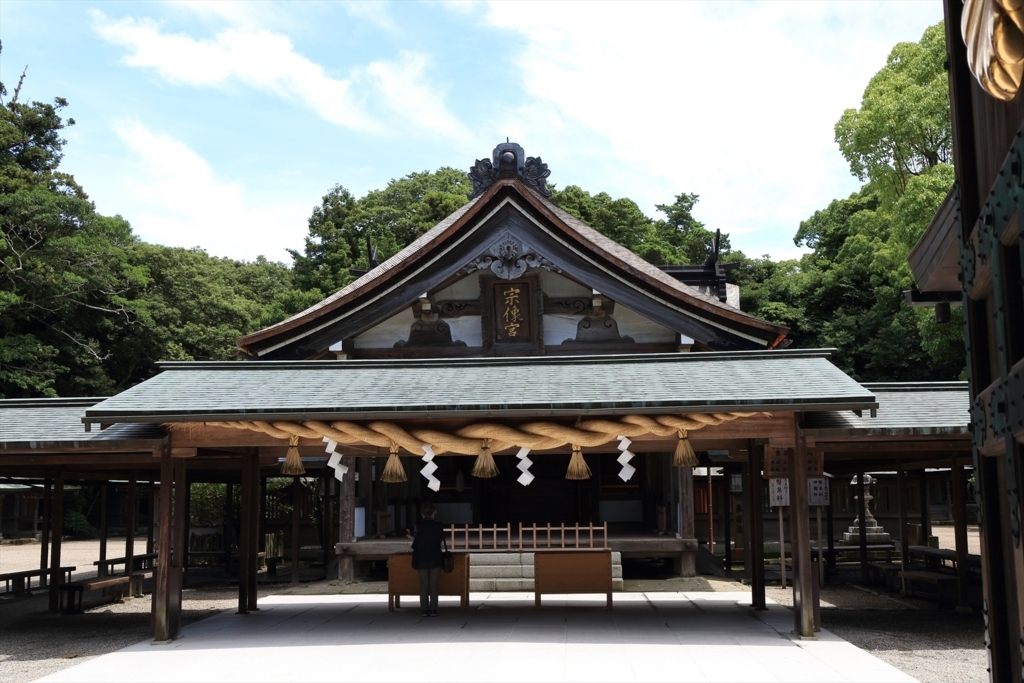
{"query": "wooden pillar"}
pixel 129 531
pixel 901 494
pixel 960 533
pixel 179 536
pixel 101 569
pixel 755 531
pixel 253 512
pixel 926 516
pixel 244 537
pixel 804 578
pixel 727 518
pixel 56 530
pixel 152 517
pixel 261 533
pixel 162 587
pixel 296 519
pixel 862 511
pixel 831 530
pixel 711 513
pixel 44 549
pixel 346 518
pixel 185 549
pixel 745 502
pixel 687 525
pixel 228 527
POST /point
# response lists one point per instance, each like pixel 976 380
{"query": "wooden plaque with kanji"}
pixel 512 303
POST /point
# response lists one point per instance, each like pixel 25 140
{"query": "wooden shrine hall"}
pixel 515 367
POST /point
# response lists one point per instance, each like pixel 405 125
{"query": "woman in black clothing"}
pixel 427 558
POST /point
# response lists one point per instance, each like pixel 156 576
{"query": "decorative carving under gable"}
pixel 509 257
pixel 429 332
pixel 598 329
pixel 456 309
pixel 509 160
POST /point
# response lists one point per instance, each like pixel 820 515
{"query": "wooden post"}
pixel 261 533
pixel 755 531
pixel 101 569
pixel 862 513
pixel 162 589
pixel 926 512
pixel 152 517
pixel 44 549
pixel 901 494
pixel 254 517
pixel 346 518
pixel 799 514
pixel 687 524
pixel 129 532
pixel 295 529
pixel 727 518
pixel 179 538
pixel 56 530
pixel 711 514
pixel 831 531
pixel 782 546
pixel 960 533
pixel 185 549
pixel 229 526
pixel 244 537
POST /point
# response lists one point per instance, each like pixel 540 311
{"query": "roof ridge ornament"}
pixel 509 160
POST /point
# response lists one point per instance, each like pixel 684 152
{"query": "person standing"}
pixel 427 558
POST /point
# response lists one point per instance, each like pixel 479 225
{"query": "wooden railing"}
pixel 532 537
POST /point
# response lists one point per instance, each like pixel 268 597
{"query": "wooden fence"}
pixel 532 537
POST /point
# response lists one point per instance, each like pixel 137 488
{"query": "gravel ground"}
pixel 933 645
pixel 34 643
pixel 80 554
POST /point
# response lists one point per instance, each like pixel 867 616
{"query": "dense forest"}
pixel 86 308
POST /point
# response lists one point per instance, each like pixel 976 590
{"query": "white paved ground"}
pixel 502 637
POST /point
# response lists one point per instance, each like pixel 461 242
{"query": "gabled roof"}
pixel 480 387
pixel 576 248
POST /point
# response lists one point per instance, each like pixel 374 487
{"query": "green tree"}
pixel 689 240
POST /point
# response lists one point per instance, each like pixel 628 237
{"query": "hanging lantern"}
pixel 578 468
pixel 684 455
pixel 484 467
pixel 292 466
pixel 393 473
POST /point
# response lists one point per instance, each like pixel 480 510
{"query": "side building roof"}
pixel 56 423
pixel 904 409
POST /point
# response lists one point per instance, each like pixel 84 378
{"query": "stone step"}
pixel 503 585
pixel 513 558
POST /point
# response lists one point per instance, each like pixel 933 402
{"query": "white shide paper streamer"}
pixel 627 469
pixel 433 483
pixel 339 470
pixel 524 465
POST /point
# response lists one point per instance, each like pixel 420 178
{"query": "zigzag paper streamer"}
pixel 524 465
pixel 335 461
pixel 433 483
pixel 627 470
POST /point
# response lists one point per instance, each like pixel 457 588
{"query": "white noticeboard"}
pixel 818 491
pixel 778 492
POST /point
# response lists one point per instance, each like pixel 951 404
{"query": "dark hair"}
pixel 428 509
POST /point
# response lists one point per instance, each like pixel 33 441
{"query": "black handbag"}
pixel 449 558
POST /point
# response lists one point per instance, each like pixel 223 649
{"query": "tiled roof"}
pixel 41 423
pixel 920 408
pixel 500 387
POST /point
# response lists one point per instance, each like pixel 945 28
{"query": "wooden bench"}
pixel 21 582
pixel 945 585
pixel 106 567
pixel 886 548
pixel 572 571
pixel 73 592
pixel 404 580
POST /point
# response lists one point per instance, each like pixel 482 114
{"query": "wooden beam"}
pixel 244 537
pixel 44 546
pixel 862 513
pixel 179 535
pixel 253 512
pixel 687 524
pixel 57 530
pixel 901 493
pixel 346 518
pixel 101 569
pixel 296 519
pixel 129 531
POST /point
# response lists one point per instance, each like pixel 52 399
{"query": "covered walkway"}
pixel 649 636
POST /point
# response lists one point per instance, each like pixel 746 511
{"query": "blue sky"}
pixel 220 125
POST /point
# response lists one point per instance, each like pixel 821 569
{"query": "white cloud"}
pixel 258 58
pixel 171 196
pixel 735 102
pixel 403 87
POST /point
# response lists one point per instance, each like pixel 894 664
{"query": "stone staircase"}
pixel 496 572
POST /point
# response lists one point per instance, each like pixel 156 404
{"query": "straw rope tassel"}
pixel 292 466
pixel 577 465
pixel 684 455
pixel 393 473
pixel 484 467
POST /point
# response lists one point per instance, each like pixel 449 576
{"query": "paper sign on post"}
pixel 778 492
pixel 818 491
